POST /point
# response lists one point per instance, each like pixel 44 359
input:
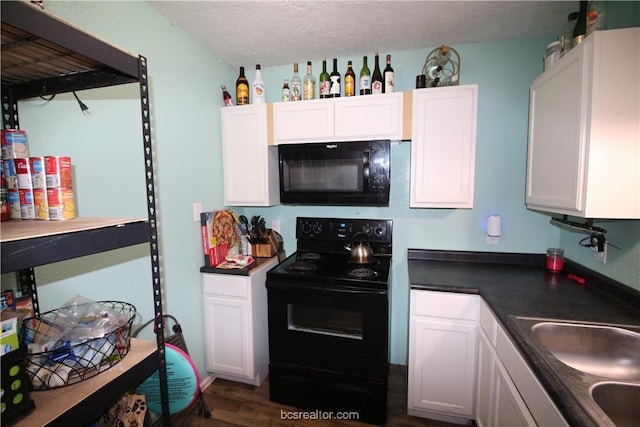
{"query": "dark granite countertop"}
pixel 519 285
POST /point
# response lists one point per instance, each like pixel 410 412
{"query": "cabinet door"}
pixel 556 152
pixel 227 336
pixel 250 165
pixel 485 386
pixel 369 117
pixel 442 366
pixel 443 147
pixel 305 121
pixel 509 408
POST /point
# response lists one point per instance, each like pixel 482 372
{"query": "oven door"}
pixel 335 329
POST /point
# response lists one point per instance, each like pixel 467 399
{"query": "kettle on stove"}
pixel 360 253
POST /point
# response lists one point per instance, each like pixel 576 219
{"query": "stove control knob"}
pixel 317 228
pixel 366 230
pixel 380 231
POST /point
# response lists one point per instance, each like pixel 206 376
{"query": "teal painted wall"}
pixel 185 82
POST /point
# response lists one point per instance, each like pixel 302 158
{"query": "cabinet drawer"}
pixel 445 304
pixel 225 285
pixel 487 322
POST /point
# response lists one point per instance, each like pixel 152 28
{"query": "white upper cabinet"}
pixel 250 163
pixel 355 118
pixel 584 130
pixel 443 147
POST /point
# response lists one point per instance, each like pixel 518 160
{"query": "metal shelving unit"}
pixel 45 55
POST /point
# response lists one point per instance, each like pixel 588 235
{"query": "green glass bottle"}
pixel 325 84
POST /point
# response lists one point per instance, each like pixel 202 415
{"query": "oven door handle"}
pixel 325 288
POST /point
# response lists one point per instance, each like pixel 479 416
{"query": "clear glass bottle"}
pixel 257 88
pixel 296 84
pixel 596 16
pixel 365 78
pixel 226 96
pixel 325 83
pixel 309 84
pixel 286 92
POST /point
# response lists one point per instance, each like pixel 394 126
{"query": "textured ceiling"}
pixel 281 32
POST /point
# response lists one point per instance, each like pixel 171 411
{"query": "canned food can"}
pixel 40 203
pixel 23 172
pixel 26 204
pixel 61 203
pixel 10 174
pixel 38 177
pixel 14 144
pixel 13 198
pixel 58 172
pixel 5 215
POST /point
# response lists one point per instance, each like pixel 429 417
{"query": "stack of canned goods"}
pixel 39 187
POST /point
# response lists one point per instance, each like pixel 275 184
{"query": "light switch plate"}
pixel 197 210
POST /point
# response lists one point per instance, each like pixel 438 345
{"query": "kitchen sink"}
pixel 605 351
pixel 619 401
pixel 598 363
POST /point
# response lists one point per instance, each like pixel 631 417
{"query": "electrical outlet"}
pixel 493 240
pixel 197 210
pixel 602 256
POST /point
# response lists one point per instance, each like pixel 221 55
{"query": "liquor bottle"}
pixel 325 84
pixel 349 81
pixel 566 37
pixel 226 97
pixel 596 16
pixel 309 84
pixel 581 24
pixel 387 77
pixel 296 84
pixel 257 88
pixel 335 80
pixel 365 78
pixel 286 93
pixel 376 77
pixel 242 89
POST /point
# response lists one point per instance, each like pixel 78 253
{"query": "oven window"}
pixel 336 175
pixel 325 321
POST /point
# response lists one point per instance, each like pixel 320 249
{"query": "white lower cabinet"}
pixel 508 392
pixel 442 355
pixel 236 328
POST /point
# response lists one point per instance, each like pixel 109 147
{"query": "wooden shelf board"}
pixel 52 404
pixel 27 229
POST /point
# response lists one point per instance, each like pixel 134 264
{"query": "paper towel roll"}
pixel 494 225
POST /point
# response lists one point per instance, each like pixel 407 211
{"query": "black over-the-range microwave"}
pixel 335 173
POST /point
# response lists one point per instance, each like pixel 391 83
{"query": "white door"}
pixel 442 371
pixel 443 147
pixel 227 336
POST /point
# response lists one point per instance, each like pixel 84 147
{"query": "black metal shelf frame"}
pixel 102 65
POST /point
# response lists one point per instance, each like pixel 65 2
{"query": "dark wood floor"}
pixel 234 404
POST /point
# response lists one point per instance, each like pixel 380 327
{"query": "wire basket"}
pixel 54 361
